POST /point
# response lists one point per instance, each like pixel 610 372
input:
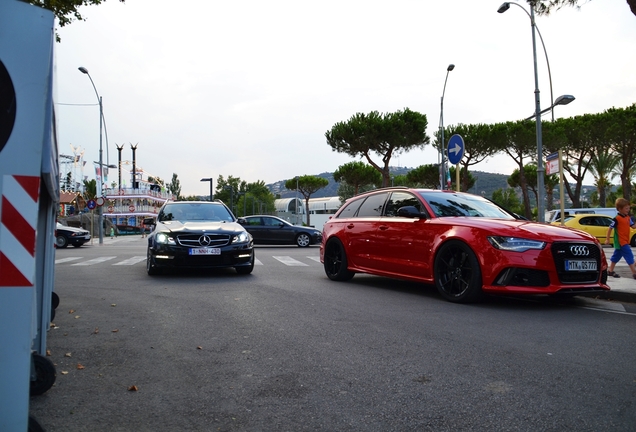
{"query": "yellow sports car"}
pixel 595 224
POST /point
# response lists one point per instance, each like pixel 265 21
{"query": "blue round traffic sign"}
pixel 91 204
pixel 455 149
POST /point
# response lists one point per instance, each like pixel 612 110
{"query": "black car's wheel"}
pixel 55 301
pixel 336 261
pixel 632 242
pixel 151 266
pixel 44 377
pixel 303 240
pixel 244 270
pixel 61 242
pixel 457 273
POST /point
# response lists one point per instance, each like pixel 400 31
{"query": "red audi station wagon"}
pixel 464 244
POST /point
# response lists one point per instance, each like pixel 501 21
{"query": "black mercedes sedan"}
pixel 273 230
pixel 198 234
pixel 65 235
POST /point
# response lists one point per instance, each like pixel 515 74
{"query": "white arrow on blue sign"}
pixel 455 149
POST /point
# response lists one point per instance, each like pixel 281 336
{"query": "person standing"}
pixel 621 225
pixel 143 230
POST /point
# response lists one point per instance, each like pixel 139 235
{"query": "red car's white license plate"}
pixel 580 265
pixel 205 251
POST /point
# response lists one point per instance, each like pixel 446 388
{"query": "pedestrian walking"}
pixel 143 230
pixel 622 249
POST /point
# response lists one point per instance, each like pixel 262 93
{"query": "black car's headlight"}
pixel 163 238
pixel 515 244
pixel 243 237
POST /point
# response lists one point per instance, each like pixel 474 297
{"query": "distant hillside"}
pixel 485 185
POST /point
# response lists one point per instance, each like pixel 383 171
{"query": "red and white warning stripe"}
pixel 18 223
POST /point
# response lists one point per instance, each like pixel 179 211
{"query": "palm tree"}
pixel 618 172
pixel 602 165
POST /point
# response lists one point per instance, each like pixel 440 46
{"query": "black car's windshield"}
pixel 189 212
pixel 454 204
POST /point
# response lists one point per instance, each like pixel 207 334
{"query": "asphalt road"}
pixel 285 349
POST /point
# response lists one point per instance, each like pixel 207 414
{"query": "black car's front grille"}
pixel 200 240
pixel 576 251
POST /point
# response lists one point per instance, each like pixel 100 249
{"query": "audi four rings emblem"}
pixel 205 240
pixel 579 250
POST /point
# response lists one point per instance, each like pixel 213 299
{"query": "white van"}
pixel 553 215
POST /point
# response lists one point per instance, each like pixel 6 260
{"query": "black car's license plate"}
pixel 580 265
pixel 205 251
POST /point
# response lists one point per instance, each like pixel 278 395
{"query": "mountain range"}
pixel 486 183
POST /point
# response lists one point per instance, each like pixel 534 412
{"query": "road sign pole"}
pixel 455 153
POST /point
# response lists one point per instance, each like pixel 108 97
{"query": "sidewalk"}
pixel 623 288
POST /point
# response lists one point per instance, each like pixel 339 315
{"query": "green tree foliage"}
pixel 518 140
pixel 357 174
pixel 401 180
pixel 66 11
pixel 478 146
pixel 620 132
pixel 175 186
pixel 244 198
pixel 306 185
pixel 426 176
pixel 602 165
pixel 466 179
pixel 90 189
pixel 508 199
pixel 383 134
pixel 546 6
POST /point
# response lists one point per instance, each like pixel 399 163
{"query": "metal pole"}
pixel 100 209
pixel 540 169
pixel 296 201
pixel 537 111
pixel 441 126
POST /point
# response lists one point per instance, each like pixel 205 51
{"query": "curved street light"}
pixel 537 110
pixel 561 100
pixel 211 180
pixel 100 210
pixel 442 165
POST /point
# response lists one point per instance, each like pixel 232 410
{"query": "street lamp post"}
pixel 561 100
pixel 442 166
pixel 100 210
pixel 537 111
pixel 211 180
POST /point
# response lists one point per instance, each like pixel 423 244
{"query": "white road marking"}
pixel 132 261
pixel 289 261
pixel 63 260
pixel 315 258
pixel 95 261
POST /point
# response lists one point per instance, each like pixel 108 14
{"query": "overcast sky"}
pixel 249 88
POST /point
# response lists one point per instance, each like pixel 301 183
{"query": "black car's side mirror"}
pixel 242 221
pixel 410 212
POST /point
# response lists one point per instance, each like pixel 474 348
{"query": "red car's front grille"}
pixel 576 251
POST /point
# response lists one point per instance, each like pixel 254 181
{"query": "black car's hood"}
pixel 177 227
pixel 71 229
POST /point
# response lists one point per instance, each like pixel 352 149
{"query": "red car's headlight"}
pixel 515 244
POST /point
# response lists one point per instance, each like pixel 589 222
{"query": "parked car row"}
pixel 463 244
